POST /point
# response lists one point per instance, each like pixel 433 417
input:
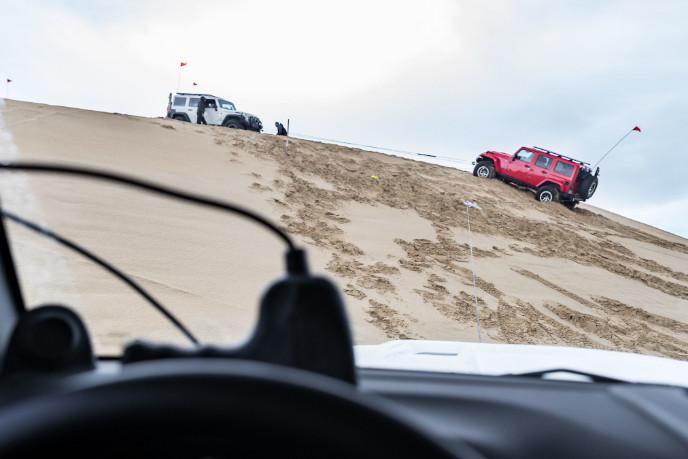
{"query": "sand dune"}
pixel 397 245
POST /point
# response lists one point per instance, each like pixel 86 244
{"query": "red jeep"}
pixel 554 177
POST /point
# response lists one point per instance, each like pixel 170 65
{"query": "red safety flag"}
pixel 195 84
pixel 183 64
pixel 637 129
pixel 9 81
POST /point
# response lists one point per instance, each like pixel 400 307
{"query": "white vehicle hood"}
pixel 246 115
pixel 500 359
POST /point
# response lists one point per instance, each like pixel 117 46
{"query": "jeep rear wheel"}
pixel 547 193
pixel 179 118
pixel 588 187
pixel 233 124
pixel 484 169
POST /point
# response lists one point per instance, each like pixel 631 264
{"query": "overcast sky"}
pixel 448 78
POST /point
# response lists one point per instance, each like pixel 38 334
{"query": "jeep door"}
pixel 519 167
pixel 192 110
pixel 540 170
pixel 180 106
pixel 212 114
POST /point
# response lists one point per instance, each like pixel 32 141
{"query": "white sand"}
pixel 397 246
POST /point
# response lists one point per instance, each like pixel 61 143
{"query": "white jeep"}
pixel 220 112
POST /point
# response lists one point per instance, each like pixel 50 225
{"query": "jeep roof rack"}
pixel 195 94
pixel 562 156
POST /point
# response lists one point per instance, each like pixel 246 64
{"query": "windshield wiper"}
pixel 152 187
pixel 591 376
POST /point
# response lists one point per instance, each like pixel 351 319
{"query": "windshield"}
pixel 420 246
pixel 226 105
pixel 525 155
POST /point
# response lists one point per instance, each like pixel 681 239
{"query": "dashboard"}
pixel 509 416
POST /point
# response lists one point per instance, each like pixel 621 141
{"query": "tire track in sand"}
pixel 627 328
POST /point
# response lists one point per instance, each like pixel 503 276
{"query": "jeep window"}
pixel 210 103
pixel 563 168
pixel 544 161
pixel 179 101
pixel 227 105
pixel 193 102
pixel 525 155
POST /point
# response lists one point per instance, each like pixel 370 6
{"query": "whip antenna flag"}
pixel 603 156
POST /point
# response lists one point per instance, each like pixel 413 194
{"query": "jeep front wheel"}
pixel 233 124
pixel 484 169
pixel 547 193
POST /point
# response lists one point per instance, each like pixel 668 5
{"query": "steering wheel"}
pixel 204 408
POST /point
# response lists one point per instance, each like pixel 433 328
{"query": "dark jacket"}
pixel 281 130
pixel 201 106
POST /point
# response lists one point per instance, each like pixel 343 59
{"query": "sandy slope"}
pixel 397 245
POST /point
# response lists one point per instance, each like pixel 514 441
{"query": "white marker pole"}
pixel 470 243
pixel 286 150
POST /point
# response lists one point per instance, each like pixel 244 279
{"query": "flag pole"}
pixel 627 134
pixel 179 76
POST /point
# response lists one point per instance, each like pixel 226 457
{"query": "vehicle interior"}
pixel 293 388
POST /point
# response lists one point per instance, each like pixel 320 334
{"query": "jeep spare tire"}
pixel 588 187
pixel 547 193
pixel 484 169
pixel 234 124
